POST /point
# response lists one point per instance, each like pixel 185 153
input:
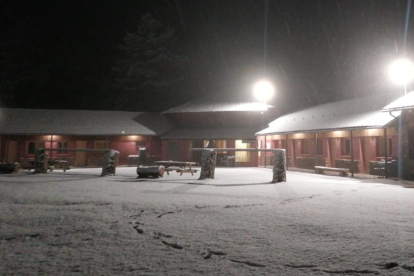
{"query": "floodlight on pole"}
pixel 401 71
pixel 263 90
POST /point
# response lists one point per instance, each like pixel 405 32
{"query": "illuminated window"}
pixel 221 144
pixel 242 156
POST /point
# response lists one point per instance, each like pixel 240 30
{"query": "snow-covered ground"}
pixel 77 223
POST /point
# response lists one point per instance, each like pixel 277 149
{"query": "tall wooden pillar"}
pixel 316 148
pixel 51 145
pixel 386 152
pixel 287 146
pixel 265 146
pixel 352 154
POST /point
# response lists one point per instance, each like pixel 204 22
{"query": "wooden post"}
pixel 8 149
pixel 400 146
pixel 352 154
pixel 265 147
pixel 316 149
pixel 208 164
pixel 287 147
pixel 386 152
pixel 41 162
pixel 51 145
pixel 109 164
pixel 150 146
pixel 279 166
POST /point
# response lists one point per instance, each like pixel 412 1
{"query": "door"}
pixel 174 151
pixel 80 156
pixel 12 151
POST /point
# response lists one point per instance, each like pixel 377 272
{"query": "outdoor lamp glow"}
pixel 401 71
pixel 263 90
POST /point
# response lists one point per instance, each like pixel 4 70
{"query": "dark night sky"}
pixel 60 54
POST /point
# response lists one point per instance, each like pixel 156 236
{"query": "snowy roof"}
pixel 79 122
pixel 218 103
pixel 405 102
pixel 210 133
pixel 348 114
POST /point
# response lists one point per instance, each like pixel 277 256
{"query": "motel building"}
pixel 358 133
pixel 213 120
pixel 23 130
pixel 361 133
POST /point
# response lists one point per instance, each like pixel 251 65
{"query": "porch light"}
pixel 263 90
pixel 401 71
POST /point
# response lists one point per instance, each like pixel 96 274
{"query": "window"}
pixel 305 146
pixel 346 146
pixel 31 146
pixel 242 156
pixel 62 145
pixel 100 145
pixel 319 147
pixel 221 144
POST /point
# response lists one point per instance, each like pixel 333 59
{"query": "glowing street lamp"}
pixel 401 71
pixel 263 90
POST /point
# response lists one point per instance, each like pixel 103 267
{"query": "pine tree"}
pixel 151 66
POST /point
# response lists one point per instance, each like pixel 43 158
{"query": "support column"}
pixel 150 146
pixel 400 142
pixel 287 147
pixel 352 154
pixel 265 147
pixel 386 152
pixel 316 148
pixel 8 149
pixel 51 146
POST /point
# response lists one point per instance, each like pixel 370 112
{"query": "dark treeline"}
pixel 67 54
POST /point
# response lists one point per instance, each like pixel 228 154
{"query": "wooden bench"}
pixel 321 169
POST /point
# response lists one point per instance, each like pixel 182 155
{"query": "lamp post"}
pixel 263 90
pixel 401 72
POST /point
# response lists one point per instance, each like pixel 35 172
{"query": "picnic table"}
pixel 180 167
